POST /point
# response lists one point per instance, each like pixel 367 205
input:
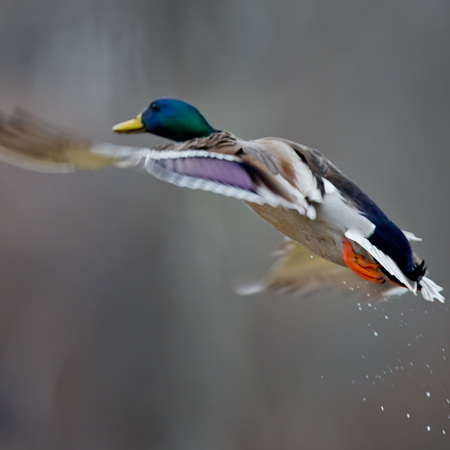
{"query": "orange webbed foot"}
pixel 361 266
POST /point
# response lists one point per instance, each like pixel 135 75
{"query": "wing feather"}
pixel 297 270
pixel 220 173
pixel 30 143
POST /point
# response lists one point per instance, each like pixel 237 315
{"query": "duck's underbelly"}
pixel 316 235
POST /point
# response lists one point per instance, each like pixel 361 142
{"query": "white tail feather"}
pixel 430 290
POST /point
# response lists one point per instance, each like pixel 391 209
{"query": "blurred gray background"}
pixel 119 327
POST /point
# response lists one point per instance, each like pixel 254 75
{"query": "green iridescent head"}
pixel 169 118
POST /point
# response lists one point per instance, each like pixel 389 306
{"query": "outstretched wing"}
pixel 33 144
pixel 220 173
pixel 220 163
pixel 299 271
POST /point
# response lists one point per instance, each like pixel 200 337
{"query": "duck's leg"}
pixel 361 266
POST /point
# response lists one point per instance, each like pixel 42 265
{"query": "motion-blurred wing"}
pixel 28 142
pixel 298 271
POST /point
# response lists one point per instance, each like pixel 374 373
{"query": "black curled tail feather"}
pixel 418 271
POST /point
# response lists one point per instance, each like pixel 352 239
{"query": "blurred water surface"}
pixel 119 327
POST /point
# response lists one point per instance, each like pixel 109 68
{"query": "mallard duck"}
pixel 292 187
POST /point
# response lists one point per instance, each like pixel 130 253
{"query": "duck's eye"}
pixel 154 106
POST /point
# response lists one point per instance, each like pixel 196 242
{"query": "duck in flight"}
pixel 292 187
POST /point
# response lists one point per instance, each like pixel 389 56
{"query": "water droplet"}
pixel 382 408
pixel 352 289
pixel 408 416
pixel 311 256
pixel 344 282
pixel 364 399
pixel 428 428
pixel 321 377
pixel 443 431
pixel 386 317
pixel 375 333
pixel 369 305
pixel 428 394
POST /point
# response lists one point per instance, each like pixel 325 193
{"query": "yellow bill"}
pixel 130 126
